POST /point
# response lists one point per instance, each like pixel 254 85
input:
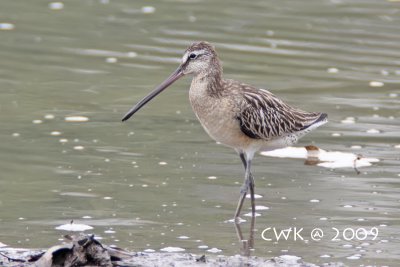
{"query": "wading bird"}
pixel 236 114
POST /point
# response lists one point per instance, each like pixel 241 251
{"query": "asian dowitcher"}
pixel 236 114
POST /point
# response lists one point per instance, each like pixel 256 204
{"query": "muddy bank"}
pixel 84 250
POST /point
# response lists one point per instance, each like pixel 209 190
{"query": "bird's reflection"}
pixel 247 245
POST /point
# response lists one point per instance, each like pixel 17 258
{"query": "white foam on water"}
pixel 354 257
pixel 76 119
pixel 7 26
pixel 55 133
pixel 250 214
pixel 260 207
pixel 373 131
pixel 332 70
pixel 56 5
pixel 255 196
pixel 49 116
pixel 348 120
pixel 148 9
pixel 214 250
pixel 376 84
pixel 111 60
pixel 239 220
pixel 325 256
pixel 172 249
pixel 74 227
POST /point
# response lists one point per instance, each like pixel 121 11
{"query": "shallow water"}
pixel 151 182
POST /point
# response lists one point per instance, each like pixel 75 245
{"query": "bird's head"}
pixel 199 59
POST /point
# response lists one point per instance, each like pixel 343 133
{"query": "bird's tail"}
pixel 321 119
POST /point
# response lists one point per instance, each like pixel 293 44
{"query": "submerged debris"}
pixel 84 250
pixel 202 259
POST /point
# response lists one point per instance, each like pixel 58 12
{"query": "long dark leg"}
pixel 250 180
pixel 248 244
pixel 248 184
pixel 243 190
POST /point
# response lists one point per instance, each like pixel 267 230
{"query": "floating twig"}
pixel 359 156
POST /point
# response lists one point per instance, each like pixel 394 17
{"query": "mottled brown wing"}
pixel 264 116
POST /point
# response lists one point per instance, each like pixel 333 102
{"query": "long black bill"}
pixel 170 80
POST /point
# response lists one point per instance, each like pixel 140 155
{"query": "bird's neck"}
pixel 211 81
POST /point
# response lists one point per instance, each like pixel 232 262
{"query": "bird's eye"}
pixel 192 56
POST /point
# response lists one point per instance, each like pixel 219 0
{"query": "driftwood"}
pixel 84 250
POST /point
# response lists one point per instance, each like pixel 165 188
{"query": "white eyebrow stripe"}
pixel 197 52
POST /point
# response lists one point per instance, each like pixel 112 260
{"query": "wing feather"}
pixel 264 116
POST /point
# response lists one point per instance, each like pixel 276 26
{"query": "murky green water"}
pixel 146 183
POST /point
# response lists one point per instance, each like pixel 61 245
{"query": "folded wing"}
pixel 264 116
